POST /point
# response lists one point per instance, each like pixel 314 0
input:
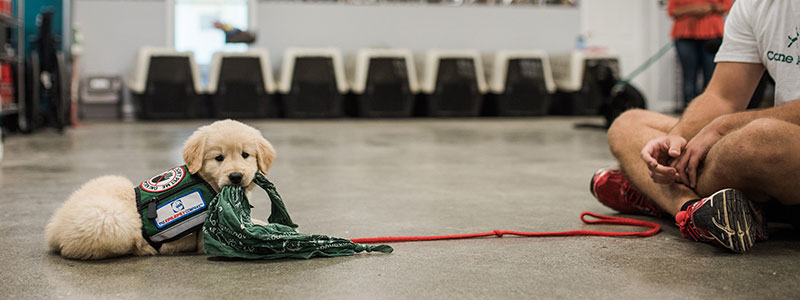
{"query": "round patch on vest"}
pixel 164 181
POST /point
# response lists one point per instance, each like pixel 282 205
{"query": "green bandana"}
pixel 229 231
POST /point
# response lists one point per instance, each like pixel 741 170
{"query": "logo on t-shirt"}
pixel 786 58
pixel 793 39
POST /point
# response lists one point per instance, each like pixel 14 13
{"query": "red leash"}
pixel 654 228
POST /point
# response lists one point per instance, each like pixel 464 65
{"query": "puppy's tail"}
pixel 98 221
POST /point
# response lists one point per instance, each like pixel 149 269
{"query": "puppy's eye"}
pixel 245 155
pixel 219 158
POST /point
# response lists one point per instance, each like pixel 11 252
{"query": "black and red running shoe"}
pixel 726 218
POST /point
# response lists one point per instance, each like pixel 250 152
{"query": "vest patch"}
pixel 172 204
pixel 164 181
pixel 179 207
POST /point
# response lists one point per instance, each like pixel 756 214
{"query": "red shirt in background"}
pixel 704 27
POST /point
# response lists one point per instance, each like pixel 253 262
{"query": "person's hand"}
pixel 703 9
pixel 659 153
pixel 693 154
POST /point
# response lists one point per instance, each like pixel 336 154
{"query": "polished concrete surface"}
pixel 354 178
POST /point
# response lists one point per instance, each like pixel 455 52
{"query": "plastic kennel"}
pixel 166 85
pixel 521 82
pixel 581 79
pixel 313 83
pixel 453 83
pixel 384 82
pixel 240 85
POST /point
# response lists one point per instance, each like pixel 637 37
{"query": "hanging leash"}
pixel 622 82
pixel 601 219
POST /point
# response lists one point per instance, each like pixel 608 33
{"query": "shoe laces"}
pixel 637 198
pixel 686 225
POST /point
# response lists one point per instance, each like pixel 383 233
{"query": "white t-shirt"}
pixel 766 32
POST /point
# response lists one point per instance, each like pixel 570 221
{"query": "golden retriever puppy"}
pixel 101 219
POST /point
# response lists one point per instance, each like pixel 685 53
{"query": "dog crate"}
pixel 521 83
pixel 166 85
pixel 583 81
pixel 100 97
pixel 312 83
pixel 384 83
pixel 453 83
pixel 240 85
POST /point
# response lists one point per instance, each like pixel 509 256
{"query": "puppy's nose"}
pixel 235 177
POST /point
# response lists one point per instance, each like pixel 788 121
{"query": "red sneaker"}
pixel 726 219
pixel 611 188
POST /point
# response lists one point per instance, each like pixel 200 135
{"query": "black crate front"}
pixel 525 89
pixel 387 93
pixel 241 92
pixel 456 93
pixel 169 91
pixel 313 91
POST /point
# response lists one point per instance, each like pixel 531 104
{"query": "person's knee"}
pixel 761 143
pixel 741 158
pixel 622 127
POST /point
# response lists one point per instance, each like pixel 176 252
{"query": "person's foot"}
pixel 612 189
pixel 725 218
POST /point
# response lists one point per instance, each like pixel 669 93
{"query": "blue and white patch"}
pixel 179 208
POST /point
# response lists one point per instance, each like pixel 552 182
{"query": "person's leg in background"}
pixel 707 63
pixel 688 56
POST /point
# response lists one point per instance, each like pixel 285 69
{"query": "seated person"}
pixel 715 167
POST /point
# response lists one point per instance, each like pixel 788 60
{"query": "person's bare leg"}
pixel 760 159
pixel 626 137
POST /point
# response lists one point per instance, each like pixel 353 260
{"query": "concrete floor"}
pixel 354 178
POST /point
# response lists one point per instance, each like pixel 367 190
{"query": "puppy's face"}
pixel 227 153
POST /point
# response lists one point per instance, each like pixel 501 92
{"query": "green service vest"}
pixel 172 204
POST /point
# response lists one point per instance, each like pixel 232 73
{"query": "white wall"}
pixel 636 31
pixel 113 31
pixel 414 26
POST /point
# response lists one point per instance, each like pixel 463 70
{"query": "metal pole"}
pixel 23 122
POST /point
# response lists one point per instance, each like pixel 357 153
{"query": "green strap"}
pixel 621 83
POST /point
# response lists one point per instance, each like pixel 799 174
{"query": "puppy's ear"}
pixel 193 150
pixel 266 155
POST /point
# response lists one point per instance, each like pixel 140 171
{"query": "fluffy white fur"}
pixel 100 219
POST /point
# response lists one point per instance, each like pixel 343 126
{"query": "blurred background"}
pixel 64 62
